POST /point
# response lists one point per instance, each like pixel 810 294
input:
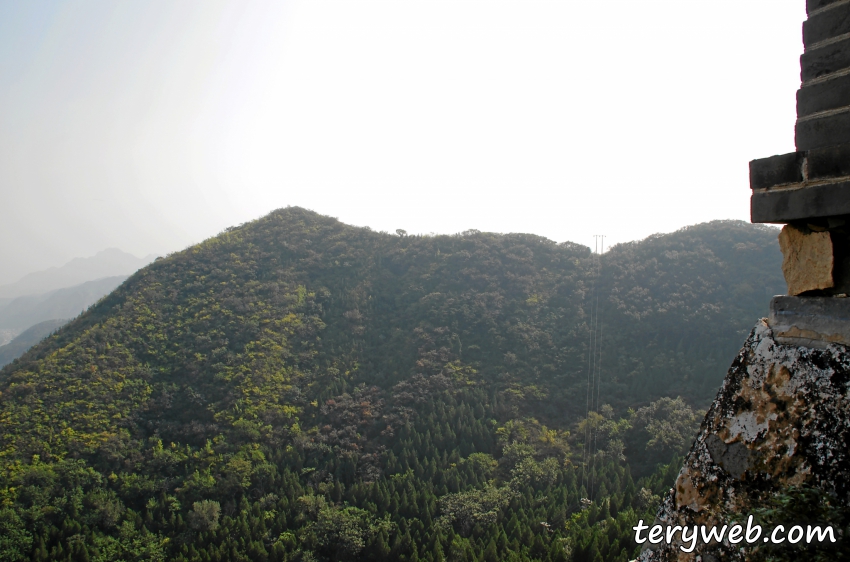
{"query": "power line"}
pixel 586 443
pixel 597 364
pixel 592 368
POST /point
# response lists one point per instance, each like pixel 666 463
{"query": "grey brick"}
pixel 812 5
pixel 825 60
pixel 832 94
pixel 776 170
pixel 830 162
pixel 827 25
pixel 786 205
pixel 823 132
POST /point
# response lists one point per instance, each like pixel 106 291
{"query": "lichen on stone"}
pixel 780 419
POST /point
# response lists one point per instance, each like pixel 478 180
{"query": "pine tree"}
pixel 491 553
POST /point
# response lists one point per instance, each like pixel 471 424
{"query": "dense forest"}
pixel 296 389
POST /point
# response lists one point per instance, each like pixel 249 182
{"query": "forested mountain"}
pixel 299 389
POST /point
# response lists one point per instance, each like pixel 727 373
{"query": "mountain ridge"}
pixel 295 376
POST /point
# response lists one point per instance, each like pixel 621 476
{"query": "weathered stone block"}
pixel 807 259
pixel 825 60
pixel 825 96
pixel 825 131
pixel 786 205
pixel 810 321
pixel 827 25
pixel 777 170
pixel 779 420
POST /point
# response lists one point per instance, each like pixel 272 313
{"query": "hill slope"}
pixel 327 391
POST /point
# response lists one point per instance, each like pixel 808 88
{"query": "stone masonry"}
pixel 809 190
pixel 781 420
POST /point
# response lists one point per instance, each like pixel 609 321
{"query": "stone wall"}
pixel 781 419
pixel 809 190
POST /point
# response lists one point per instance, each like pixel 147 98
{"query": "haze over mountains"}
pixel 107 263
pixel 28 338
pixel 22 312
pixel 299 389
pixel 53 296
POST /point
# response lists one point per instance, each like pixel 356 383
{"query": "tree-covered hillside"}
pixel 299 389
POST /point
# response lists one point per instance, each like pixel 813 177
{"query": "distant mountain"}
pixel 7 335
pixel 108 263
pixel 27 339
pixel 21 313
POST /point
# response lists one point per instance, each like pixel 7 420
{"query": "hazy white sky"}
pixel 152 125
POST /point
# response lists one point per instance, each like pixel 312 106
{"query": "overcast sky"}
pixel 149 126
